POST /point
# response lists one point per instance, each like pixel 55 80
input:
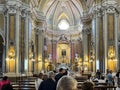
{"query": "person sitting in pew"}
pixel 87 85
pixel 5 84
pixel 102 80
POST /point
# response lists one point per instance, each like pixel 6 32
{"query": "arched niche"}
pixel 63 50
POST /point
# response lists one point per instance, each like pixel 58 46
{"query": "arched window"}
pixel 63 25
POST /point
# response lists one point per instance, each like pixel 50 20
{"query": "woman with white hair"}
pixel 67 83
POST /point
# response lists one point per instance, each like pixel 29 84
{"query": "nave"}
pixel 45 35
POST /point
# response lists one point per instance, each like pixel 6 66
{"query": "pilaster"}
pixel 25 15
pixel 12 13
pixel 86 32
pixel 15 10
pixel 39 47
pixel 107 11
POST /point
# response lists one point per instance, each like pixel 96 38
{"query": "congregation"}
pixel 65 79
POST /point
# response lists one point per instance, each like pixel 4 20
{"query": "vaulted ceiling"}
pixel 57 10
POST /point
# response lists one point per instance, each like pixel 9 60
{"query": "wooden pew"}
pixel 101 87
pixel 24 85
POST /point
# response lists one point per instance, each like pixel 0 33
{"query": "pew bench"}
pixel 101 87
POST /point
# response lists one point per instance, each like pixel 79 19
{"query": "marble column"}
pixel 117 61
pixel 85 48
pixel 72 51
pixel 40 50
pixel 107 14
pixel 12 37
pixel 86 20
pixel 15 12
pixel 97 44
pixel 26 15
pixel 54 49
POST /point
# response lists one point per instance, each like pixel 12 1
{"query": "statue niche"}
pixel 63 50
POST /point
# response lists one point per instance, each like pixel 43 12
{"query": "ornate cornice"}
pixel 12 6
pixel 109 6
pixel 25 10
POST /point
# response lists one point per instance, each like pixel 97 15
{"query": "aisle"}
pixel 117 88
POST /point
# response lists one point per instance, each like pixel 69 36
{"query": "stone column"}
pixel 117 61
pixel 72 51
pixel 39 29
pixel 25 14
pixel 85 47
pixel 86 20
pixel 97 44
pixel 54 49
pixel 111 16
pixel 17 42
pixel 12 37
pixel 107 13
pixel 39 49
pixel 17 36
pixel 105 41
pixel 100 31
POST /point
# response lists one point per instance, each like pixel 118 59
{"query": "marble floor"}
pixel 117 88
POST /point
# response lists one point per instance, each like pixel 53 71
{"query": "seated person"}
pixel 87 85
pixel 67 83
pixel 5 84
pixel 102 80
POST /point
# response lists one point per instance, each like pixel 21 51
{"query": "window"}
pixel 63 25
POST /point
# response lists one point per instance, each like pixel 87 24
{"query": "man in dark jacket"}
pixel 48 84
pixel 60 74
pixel 118 77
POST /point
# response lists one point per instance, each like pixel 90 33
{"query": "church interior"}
pixel 44 35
